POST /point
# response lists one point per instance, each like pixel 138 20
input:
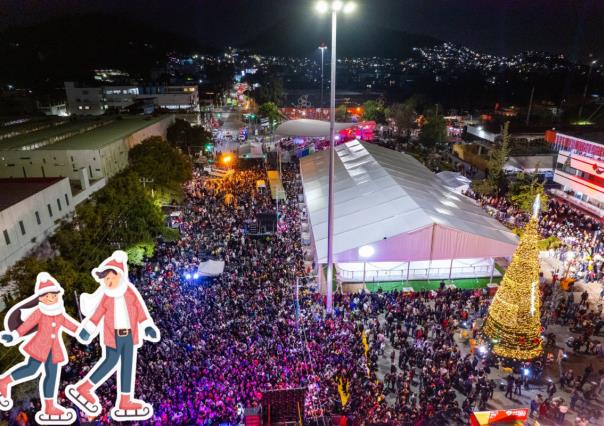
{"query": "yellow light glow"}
pixel 227 159
pixel 513 324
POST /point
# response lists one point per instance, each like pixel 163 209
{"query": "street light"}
pixel 335 7
pixel 322 48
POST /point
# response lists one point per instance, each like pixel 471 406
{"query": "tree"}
pixel 496 182
pixel 187 137
pixel 341 114
pixel 269 89
pixel 374 111
pixel 118 216
pixel 433 131
pixel 513 323
pixel 270 111
pixel 524 191
pixel 165 165
pixel 403 115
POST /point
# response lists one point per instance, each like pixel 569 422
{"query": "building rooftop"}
pixel 14 190
pixel 105 135
pixel 83 133
pixel 46 135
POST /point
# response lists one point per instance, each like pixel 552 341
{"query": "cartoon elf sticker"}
pixel 38 322
pixel 125 323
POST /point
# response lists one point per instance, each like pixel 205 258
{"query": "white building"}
pixel 100 147
pixel 97 100
pixel 84 100
pixel 580 170
pixel 30 211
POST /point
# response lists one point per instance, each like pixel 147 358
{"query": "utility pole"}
pixel 145 181
pixel 530 108
pixel 591 67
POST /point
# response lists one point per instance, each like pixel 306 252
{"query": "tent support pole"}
pixel 492 270
pixel 450 270
pixel 408 267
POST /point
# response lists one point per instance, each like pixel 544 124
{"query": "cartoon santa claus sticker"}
pixel 37 323
pixel 118 312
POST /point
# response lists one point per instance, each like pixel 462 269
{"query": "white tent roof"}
pixel 453 179
pixel 308 128
pixel 391 201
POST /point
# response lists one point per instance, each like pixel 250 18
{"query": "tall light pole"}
pixel 591 67
pixel 334 6
pixel 322 49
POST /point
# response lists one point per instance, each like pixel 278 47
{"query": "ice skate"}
pixel 55 414
pixel 84 398
pixel 131 409
pixel 6 402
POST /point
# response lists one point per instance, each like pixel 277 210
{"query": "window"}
pixel 80 107
pixel 66 199
pixel 59 204
pixel 86 107
pixel 22 227
pixel 6 237
pixel 49 210
pixel 84 92
pixel 38 218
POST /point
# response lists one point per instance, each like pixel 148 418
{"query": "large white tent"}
pixel 308 128
pixel 389 201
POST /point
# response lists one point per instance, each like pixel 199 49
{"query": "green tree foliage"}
pixel 23 276
pixel 119 215
pixel 524 190
pixel 270 110
pixel 138 252
pixel 433 131
pixel 496 182
pixel 270 89
pixel 157 160
pixel 374 111
pixel 341 114
pixel 188 138
pixel 403 115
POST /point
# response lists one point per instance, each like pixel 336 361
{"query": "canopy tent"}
pixel 390 201
pixel 454 181
pixel 211 268
pixel 308 128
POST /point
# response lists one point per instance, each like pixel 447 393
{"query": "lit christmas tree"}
pixel 513 323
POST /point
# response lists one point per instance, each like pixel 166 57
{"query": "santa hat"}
pixel 118 262
pixel 45 283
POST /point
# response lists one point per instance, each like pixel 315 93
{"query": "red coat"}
pixel 47 339
pixel 137 314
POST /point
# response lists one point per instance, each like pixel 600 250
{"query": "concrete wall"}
pixel 25 212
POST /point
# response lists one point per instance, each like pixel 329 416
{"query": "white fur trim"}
pixel 147 323
pixel 15 335
pixel 44 276
pixel 89 326
pixel 120 256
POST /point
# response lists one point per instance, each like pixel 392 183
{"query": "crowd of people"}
pixel 228 339
pixel 582 241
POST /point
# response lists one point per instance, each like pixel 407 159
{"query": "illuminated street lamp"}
pixel 335 7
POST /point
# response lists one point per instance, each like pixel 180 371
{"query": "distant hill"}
pixel 69 47
pixel 299 37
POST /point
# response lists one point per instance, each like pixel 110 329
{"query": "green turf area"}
pixel 105 135
pixel 419 285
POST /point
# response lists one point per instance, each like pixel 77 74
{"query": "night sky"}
pixel 573 27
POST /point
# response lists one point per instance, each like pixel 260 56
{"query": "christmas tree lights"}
pixel 513 323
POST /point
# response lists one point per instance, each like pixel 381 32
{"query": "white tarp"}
pixel 390 201
pixel 211 268
pixel 454 181
pixel 309 128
